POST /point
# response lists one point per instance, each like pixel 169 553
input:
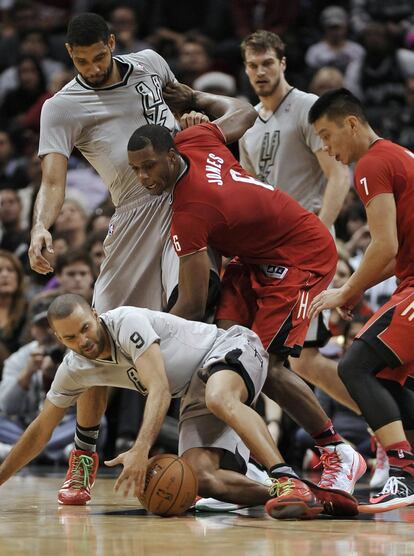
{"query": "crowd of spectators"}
pixel 365 45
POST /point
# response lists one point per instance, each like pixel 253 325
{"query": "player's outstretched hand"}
pixel 178 96
pixel 135 463
pixel 192 118
pixel 330 299
pixel 40 245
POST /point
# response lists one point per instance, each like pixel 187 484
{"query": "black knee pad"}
pixel 360 359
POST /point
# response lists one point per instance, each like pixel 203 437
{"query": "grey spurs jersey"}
pixel 184 345
pixel 279 150
pixel 99 122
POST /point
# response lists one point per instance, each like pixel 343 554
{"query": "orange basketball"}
pixel 170 485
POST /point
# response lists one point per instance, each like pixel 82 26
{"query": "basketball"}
pixel 170 485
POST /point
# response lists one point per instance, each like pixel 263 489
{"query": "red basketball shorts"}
pixel 390 332
pixel 273 301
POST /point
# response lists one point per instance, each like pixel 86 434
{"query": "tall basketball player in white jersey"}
pixel 283 150
pixel 96 112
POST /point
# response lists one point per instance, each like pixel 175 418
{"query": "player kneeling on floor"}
pixel 219 373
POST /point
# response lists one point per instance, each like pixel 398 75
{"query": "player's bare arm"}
pixel 32 441
pixel 47 207
pixel 337 187
pixel 379 256
pixel 233 116
pixel 150 367
pixel 193 286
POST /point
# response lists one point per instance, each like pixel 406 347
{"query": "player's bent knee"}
pixel 222 405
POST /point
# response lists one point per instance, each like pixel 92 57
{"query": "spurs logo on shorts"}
pixel 153 105
pixel 256 353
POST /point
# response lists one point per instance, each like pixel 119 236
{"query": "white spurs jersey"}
pixel 184 345
pixel 279 150
pixel 99 122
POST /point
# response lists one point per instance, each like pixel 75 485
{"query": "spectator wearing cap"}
pixel 334 49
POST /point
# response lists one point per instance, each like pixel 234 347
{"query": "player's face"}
pixel 155 171
pixel 81 332
pixel 339 138
pixel 264 70
pixel 94 62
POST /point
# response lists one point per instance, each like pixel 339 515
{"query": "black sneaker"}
pixel 397 492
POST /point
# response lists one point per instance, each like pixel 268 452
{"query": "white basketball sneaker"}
pixel 342 467
pixel 213 505
pixel 382 468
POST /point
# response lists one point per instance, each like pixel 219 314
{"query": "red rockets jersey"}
pixel 217 203
pixel 389 168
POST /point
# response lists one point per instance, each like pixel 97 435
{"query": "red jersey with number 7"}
pixel 217 203
pixel 389 168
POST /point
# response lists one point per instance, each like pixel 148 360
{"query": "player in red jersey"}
pixel 288 254
pixel 376 369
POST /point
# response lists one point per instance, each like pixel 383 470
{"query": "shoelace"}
pixel 281 489
pixel 332 465
pixel 81 469
pixel 395 486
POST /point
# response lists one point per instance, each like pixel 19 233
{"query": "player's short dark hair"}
pixel 64 305
pixel 72 257
pixel 86 29
pixel 156 135
pixel 260 41
pixel 338 103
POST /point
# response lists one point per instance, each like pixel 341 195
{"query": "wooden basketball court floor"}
pixel 32 523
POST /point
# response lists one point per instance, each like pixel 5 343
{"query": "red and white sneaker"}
pixel 292 499
pixel 334 501
pixel 80 478
pixel 342 467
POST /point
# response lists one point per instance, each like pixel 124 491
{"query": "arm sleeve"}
pixel 59 129
pixel 372 177
pixel 189 231
pixel 136 334
pixel 65 389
